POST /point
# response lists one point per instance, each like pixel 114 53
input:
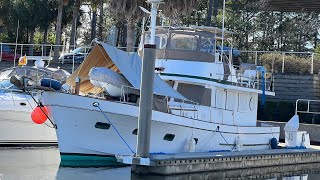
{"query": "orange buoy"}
pixel 38 116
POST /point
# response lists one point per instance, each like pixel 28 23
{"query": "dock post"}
pixel 145 109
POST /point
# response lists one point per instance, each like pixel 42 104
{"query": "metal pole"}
pixel 146 99
pixel 311 68
pixel 42 50
pixel 15 49
pixel 0 52
pixel 256 58
pixel 153 22
pixel 223 15
pixel 283 54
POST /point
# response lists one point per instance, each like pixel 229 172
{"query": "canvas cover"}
pixel 128 64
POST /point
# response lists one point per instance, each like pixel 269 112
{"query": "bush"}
pixel 292 63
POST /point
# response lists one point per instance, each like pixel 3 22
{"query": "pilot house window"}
pixel 195 93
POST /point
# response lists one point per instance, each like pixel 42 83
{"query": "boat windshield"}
pixel 184 42
pixel 207 45
pixel 5 74
pixel 6 85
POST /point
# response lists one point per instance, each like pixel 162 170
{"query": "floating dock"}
pixel 170 164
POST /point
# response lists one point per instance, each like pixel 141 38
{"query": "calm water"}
pixel 43 163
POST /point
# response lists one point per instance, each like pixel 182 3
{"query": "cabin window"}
pixel 244 100
pixel 196 93
pixel 232 99
pixel 220 99
pixel 101 125
pixel 207 45
pixel 171 83
pixel 169 137
pixel 184 42
pixel 135 132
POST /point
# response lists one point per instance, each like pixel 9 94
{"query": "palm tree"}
pixel 132 13
pixel 94 7
pixel 100 28
pixel 75 15
pixel 58 28
pixel 174 10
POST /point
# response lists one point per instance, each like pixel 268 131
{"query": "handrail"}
pixel 250 82
pixel 308 106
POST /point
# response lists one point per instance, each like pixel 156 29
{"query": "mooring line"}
pixel 95 104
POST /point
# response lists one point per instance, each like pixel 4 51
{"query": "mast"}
pixel 222 36
pixel 154 9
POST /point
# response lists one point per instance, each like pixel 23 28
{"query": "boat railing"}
pixel 171 104
pixel 308 105
pixel 249 78
pixel 36 74
pixel 184 108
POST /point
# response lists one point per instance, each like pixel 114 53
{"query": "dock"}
pixel 173 164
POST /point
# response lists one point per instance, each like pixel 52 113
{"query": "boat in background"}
pixel 16 125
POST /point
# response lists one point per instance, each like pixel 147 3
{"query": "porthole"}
pixel 101 125
pixel 135 132
pixel 169 137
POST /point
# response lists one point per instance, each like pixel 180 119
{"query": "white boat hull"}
pixel 16 126
pixel 76 119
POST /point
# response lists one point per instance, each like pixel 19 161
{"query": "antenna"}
pixel 154 9
pixel 144 10
pixel 222 36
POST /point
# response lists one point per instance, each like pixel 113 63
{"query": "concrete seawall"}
pixel 221 161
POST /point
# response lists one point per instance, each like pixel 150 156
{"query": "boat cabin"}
pixel 190 44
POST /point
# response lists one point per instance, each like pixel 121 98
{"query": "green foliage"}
pixel 32 15
pixel 293 63
pixel 4 37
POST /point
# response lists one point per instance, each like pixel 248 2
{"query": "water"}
pixel 43 164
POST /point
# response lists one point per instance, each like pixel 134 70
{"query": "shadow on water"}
pixel 302 171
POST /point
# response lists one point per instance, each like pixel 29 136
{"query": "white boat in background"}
pixel 201 102
pixel 16 125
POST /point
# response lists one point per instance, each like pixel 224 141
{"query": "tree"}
pixel 101 24
pixel 132 13
pixel 59 28
pixel 176 10
pixel 94 7
pixel 75 16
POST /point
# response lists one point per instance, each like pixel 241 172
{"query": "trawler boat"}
pixel 16 126
pixel 202 103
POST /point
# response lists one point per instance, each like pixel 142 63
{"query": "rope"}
pixel 213 133
pixel 225 140
pixel 97 105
